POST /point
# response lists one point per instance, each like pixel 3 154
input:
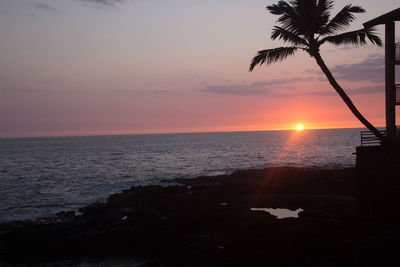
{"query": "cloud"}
pixel 256 88
pixel 18 90
pixel 104 2
pixel 238 90
pixel 369 89
pixel 273 88
pixel 5 89
pixel 327 92
pixel 357 91
pixel 281 81
pixel 371 69
pixel 248 90
pixel 160 91
pixel 44 6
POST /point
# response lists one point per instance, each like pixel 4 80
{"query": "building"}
pixel 378 166
pixel 392 58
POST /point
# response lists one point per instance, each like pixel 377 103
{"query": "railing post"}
pixel 390 80
pixel 397 94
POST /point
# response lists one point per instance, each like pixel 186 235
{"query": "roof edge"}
pixel 393 15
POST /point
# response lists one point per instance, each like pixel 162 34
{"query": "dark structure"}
pixel 392 58
pixel 378 165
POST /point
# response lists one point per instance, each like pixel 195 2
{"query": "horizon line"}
pixel 88 134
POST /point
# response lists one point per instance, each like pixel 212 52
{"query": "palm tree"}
pixel 306 25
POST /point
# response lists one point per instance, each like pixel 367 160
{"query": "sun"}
pixel 299 127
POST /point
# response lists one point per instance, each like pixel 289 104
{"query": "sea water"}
pixel 41 176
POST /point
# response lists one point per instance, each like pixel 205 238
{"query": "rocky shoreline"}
pixel 208 221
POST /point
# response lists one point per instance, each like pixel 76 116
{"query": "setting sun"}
pixel 299 127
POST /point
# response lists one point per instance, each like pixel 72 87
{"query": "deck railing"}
pixel 397 51
pixel 369 139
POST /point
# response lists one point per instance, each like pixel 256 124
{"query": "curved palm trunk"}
pixel 345 97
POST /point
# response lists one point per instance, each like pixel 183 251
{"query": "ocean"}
pixel 42 176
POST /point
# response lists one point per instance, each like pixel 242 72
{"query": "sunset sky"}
pixel 73 67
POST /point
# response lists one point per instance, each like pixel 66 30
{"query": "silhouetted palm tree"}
pixel 306 25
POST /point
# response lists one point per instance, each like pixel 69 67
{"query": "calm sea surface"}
pixel 41 176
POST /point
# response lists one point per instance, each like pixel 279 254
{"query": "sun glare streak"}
pixel 291 151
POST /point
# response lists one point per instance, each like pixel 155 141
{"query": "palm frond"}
pixel 323 13
pixel 302 17
pixel 325 6
pixel 287 36
pixel 372 36
pixel 342 19
pixel 278 9
pixel 271 55
pixel 289 19
pixel 357 38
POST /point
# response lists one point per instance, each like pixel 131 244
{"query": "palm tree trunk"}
pixel 346 98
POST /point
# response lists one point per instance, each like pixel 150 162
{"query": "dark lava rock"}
pixel 207 221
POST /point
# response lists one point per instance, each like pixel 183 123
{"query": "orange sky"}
pixel 86 67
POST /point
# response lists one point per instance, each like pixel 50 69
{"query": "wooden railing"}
pixel 369 139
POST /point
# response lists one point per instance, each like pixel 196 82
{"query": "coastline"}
pixel 208 221
pixel 67 173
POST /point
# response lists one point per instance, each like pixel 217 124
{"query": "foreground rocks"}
pixel 207 221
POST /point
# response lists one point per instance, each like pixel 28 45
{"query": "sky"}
pixel 83 67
